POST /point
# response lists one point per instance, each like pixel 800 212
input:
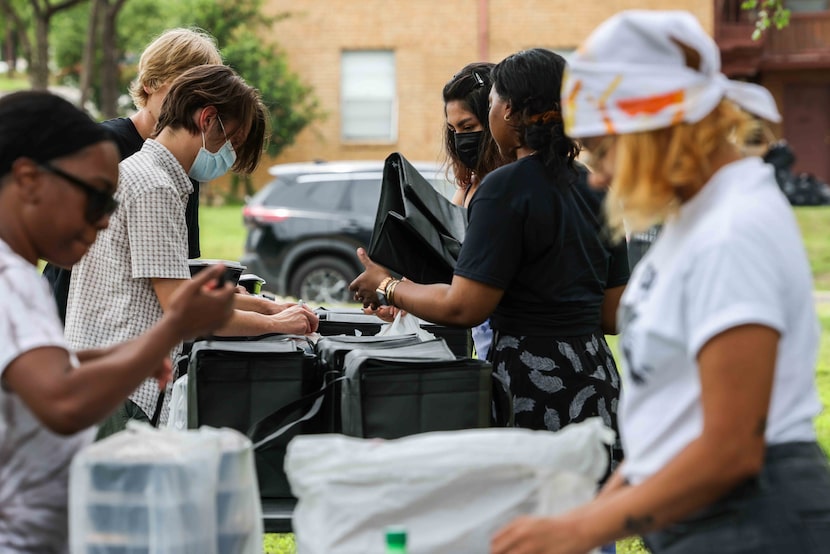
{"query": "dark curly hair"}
pixel 471 86
pixel 530 81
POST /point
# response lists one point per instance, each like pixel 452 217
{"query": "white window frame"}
pixel 368 96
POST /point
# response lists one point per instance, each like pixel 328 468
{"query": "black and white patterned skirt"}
pixel 559 380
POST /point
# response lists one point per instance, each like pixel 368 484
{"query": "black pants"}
pixel 786 509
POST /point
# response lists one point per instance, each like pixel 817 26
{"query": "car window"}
pixel 273 193
pixel 364 195
pixel 324 193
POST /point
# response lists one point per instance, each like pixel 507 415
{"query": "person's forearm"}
pixel 703 472
pixel 245 323
pixel 614 484
pixel 253 303
pixel 437 304
pixel 94 353
pixel 98 386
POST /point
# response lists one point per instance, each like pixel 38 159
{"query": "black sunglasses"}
pixel 99 203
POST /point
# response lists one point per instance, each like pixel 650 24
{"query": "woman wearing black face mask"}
pixel 471 154
pixel 471 151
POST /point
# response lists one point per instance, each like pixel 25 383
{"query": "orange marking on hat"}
pixel 603 105
pixel 570 102
pixel 651 105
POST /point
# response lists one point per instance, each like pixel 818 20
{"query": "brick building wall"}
pixel 431 39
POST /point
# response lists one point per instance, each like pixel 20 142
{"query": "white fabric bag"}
pixel 450 490
pixel 162 491
pixel 178 405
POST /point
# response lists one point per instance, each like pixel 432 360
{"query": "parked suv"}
pixel 305 225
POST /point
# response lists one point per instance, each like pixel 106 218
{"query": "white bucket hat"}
pixel 630 75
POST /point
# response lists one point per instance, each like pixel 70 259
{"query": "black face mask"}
pixel 467 145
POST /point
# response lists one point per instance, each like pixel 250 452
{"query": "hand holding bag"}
pixel 418 232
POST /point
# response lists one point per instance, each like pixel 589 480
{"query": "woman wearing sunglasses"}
pixel 55 197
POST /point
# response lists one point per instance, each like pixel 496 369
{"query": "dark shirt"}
pixel 540 238
pixel 129 142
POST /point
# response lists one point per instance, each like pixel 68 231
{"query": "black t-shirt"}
pixel 540 238
pixel 129 142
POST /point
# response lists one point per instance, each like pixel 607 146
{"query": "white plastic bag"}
pixel 162 491
pixel 405 324
pixel 450 490
pixel 178 405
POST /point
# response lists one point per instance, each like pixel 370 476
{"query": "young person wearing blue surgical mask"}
pixel 210 122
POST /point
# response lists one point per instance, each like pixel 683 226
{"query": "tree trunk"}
pixel 18 29
pixel 88 61
pixel 39 68
pixel 110 70
pixel 39 64
pixel 8 47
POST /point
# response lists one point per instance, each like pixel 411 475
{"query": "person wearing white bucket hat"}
pixel 719 329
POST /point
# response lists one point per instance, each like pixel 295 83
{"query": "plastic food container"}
pixel 232 269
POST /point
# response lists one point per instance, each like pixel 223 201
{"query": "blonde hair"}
pixel 168 56
pixel 655 170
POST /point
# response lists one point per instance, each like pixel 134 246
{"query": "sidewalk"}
pixel 822 296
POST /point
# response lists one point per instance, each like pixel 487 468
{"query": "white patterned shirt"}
pixel 34 462
pixel 111 297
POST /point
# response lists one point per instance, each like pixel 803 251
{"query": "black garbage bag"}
pixel 780 155
pixel 803 189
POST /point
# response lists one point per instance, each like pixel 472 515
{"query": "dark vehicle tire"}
pixel 322 280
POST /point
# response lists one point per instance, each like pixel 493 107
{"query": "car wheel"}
pixel 323 280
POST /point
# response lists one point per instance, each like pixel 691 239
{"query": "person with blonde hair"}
pixel 719 332
pixel 169 55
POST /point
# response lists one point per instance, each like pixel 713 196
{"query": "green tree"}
pixel 768 13
pixel 36 16
pixel 16 22
pixel 239 27
pixel 291 103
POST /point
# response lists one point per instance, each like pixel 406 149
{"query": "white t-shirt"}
pixel 34 462
pixel 732 256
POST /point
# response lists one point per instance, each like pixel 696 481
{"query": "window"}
pixel 797 6
pixel 368 97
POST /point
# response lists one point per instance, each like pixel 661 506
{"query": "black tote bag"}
pixel 418 232
pixel 235 383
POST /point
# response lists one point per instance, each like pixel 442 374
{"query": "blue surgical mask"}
pixel 211 165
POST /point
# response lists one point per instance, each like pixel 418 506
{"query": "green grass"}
pixel 222 232
pixel 815 228
pixel 223 236
pixel 19 82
